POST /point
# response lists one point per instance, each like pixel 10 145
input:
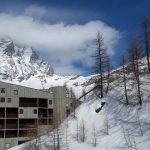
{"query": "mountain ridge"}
pixel 21 63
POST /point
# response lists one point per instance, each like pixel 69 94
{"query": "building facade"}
pixel 27 112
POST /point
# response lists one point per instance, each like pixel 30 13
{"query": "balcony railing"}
pixel 27 126
pixel 1 126
pixel 11 126
pixel 2 115
pixel 11 115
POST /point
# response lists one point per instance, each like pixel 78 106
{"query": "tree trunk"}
pixel 146 43
pixel 124 80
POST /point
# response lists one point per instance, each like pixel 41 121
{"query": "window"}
pixel 7 145
pixel 50 121
pixel 35 111
pixel 67 95
pixel 21 111
pixel 2 90
pixel 50 102
pixel 9 100
pixel 68 112
pixel 15 92
pixel 71 104
pixel 2 100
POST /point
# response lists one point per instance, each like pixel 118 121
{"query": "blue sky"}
pixel 121 18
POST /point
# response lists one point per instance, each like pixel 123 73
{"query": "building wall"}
pixel 64 103
pixel 47 110
pixel 60 102
pixel 28 112
pixel 8 143
pixel 15 91
pixel 10 95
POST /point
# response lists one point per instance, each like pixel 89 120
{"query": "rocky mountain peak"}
pixel 21 62
pixel 7 47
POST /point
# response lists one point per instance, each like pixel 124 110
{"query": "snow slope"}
pixel 116 127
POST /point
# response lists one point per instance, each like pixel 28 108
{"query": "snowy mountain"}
pixel 21 63
pixel 116 127
pixel 22 66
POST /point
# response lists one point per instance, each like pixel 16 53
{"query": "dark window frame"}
pixel 20 111
pixel 7 145
pixel 2 99
pixel 50 102
pixel 9 100
pixel 3 90
pixel 35 111
pixel 16 92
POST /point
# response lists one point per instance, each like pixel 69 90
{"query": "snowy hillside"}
pixel 116 127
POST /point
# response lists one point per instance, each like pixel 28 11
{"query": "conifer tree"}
pixel 146 26
pixel 124 80
pixel 136 53
pixel 101 62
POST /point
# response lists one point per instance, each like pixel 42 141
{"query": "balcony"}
pixel 11 133
pixel 42 122
pixel 50 113
pixel 11 123
pixel 1 134
pixel 28 133
pixel 27 123
pixel 2 112
pixel 11 112
pixel 27 102
pixel 1 123
pixel 42 103
pixel 42 113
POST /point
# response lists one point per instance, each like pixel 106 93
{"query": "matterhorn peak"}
pixel 21 62
pixel 7 47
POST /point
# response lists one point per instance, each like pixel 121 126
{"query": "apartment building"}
pixel 25 112
pixel 64 102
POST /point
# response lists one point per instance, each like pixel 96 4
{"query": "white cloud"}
pixel 35 11
pixel 63 43
pixel 54 14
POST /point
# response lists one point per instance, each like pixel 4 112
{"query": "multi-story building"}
pixel 25 112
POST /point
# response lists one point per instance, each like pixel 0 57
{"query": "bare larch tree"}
pixel 124 79
pixel 146 25
pixel 100 64
pixel 136 53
